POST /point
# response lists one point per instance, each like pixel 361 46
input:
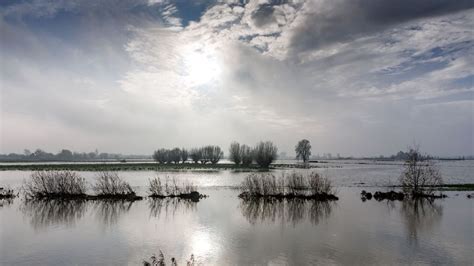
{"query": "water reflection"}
pixel 5 202
pixel 109 211
pixel 169 206
pixel 44 213
pixel 420 216
pixel 281 210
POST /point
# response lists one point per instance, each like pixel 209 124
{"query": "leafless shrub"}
pixel 318 184
pixel 54 183
pixel 420 176
pixel 109 183
pixel 263 184
pixel 169 187
pixel 295 183
pixel 155 187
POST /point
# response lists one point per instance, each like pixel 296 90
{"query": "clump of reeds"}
pixel 110 184
pixel 296 182
pixel 54 184
pixel 263 184
pixel 7 193
pixel 294 185
pixel 319 184
pixel 160 261
pixel 171 188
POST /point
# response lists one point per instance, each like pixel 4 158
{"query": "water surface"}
pixel 224 230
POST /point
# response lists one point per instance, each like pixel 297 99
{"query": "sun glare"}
pixel 201 68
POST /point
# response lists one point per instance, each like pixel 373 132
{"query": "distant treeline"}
pixel 66 155
pixel 207 154
pixel 403 156
pixel 263 154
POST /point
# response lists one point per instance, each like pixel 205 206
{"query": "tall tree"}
pixel 234 153
pixel 265 153
pixel 303 150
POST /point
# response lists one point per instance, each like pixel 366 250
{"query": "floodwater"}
pixel 224 230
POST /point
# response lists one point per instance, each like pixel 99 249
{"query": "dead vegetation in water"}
pixel 109 185
pixel 161 261
pixel 7 193
pixel 294 185
pixel 69 185
pixel 55 184
pixel 171 189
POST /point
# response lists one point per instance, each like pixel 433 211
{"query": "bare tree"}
pixel 160 155
pixel 265 153
pixel 175 155
pixel 246 155
pixel 303 150
pixel 196 155
pixel 235 153
pixel 206 154
pixel 216 154
pixel 420 176
pixel 184 155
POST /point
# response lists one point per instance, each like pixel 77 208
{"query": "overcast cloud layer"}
pixel 355 77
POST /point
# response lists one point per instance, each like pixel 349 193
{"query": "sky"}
pixel 355 77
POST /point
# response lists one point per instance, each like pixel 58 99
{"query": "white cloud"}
pixel 235 74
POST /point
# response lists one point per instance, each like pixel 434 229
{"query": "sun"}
pixel 201 67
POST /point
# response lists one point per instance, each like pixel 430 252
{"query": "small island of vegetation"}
pixel 295 185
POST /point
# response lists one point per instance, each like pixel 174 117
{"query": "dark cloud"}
pixel 339 21
pixel 263 15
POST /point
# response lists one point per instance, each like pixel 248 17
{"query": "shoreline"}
pixel 142 167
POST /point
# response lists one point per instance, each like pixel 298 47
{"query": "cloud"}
pixel 327 22
pixel 353 76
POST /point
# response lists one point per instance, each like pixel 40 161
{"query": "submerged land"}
pixel 140 166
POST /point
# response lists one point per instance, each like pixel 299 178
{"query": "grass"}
pixel 294 185
pixel 99 167
pixel 452 187
pixel 456 187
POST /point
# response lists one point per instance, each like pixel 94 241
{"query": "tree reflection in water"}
pixel 109 211
pixel 44 213
pixel 285 210
pixel 169 206
pixel 5 202
pixel 420 215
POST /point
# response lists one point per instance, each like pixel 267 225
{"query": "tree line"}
pixel 65 155
pixel 206 154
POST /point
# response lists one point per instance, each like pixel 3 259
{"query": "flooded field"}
pixel 225 230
